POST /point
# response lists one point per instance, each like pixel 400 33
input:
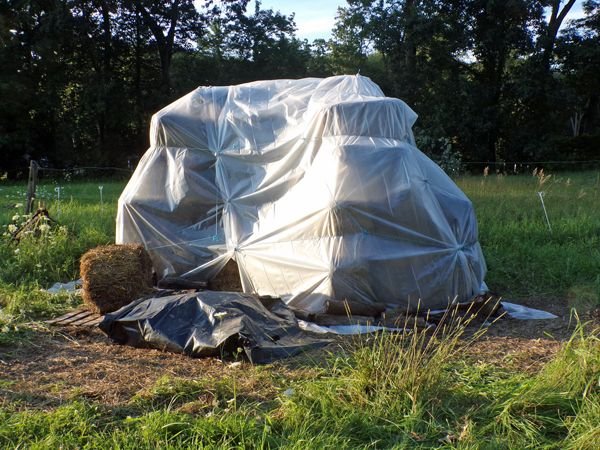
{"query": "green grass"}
pixel 409 390
pixel 524 257
pixel 37 262
pixel 395 393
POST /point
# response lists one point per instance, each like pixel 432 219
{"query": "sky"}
pixel 316 18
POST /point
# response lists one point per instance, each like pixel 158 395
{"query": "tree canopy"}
pixel 492 80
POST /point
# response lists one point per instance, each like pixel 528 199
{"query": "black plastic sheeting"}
pixel 211 323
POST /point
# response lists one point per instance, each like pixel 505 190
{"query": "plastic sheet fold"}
pixel 211 323
pixel 314 187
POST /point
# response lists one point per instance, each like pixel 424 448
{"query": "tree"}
pixel 502 34
pixel 579 59
pixel 351 41
pixel 415 49
pixel 173 22
pixel 493 79
pixel 549 31
pixel 254 46
pixel 37 38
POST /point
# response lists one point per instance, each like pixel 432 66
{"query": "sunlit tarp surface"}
pixel 314 187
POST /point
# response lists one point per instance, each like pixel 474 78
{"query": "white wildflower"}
pixel 17 250
pixel 16 217
pixel 12 228
pixel 44 227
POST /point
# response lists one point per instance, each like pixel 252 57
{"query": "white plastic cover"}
pixel 314 187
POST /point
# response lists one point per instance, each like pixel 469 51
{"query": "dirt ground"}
pixel 53 365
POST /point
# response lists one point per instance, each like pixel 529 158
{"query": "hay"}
pixel 115 275
pixel 228 279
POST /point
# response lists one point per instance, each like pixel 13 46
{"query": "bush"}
pixel 442 152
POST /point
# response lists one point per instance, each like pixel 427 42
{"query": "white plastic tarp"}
pixel 314 187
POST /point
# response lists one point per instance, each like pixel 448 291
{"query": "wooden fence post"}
pixel 31 185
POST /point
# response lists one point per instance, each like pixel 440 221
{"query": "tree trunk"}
pixel 547 40
pixel 164 42
pixel 105 74
pixel 410 47
pixel 137 83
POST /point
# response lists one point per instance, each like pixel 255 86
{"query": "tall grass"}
pixel 385 389
pixel 524 257
pixel 403 370
pixel 543 406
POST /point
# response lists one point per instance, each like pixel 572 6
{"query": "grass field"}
pixel 510 388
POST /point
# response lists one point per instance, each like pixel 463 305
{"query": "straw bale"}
pixel 115 275
pixel 228 279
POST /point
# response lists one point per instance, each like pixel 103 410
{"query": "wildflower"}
pixel 19 205
pixel 12 228
pixel 17 250
pixel 16 217
pixel 44 227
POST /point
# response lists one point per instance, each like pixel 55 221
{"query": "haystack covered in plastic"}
pixel 314 187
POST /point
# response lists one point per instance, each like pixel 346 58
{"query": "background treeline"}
pixel 492 80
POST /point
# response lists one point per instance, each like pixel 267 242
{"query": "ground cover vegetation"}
pixel 494 83
pixel 491 80
pixel 463 387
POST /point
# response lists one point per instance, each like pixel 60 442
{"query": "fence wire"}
pixel 525 167
pixel 85 173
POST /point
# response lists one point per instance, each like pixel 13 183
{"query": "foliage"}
pixel 500 80
pixel 579 58
pixel 442 152
pixel 81 78
pixel 480 73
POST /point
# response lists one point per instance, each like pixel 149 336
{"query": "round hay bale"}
pixel 228 279
pixel 115 275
